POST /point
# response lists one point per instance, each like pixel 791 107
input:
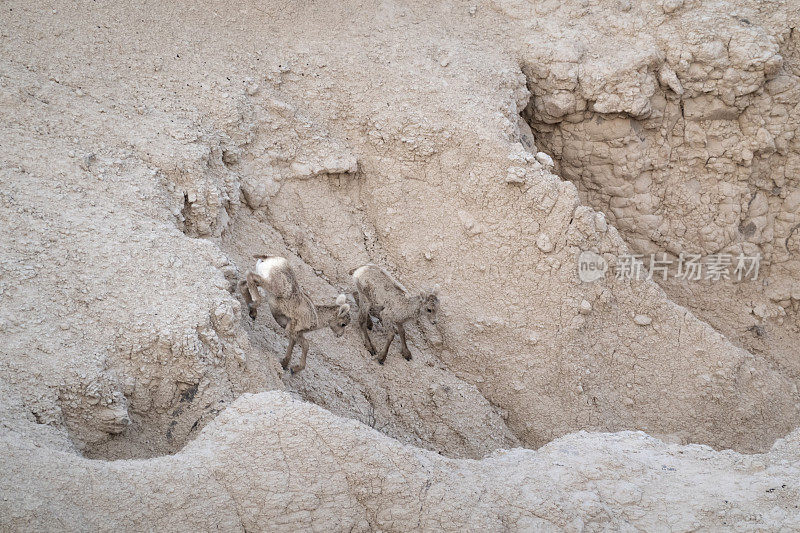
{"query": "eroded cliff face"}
pixel 684 134
pixel 480 147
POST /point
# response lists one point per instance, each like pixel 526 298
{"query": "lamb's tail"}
pixel 262 256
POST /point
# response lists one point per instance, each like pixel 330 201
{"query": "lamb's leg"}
pixel 288 356
pixel 358 304
pixel 385 350
pixel 297 367
pixel 404 349
pixel 245 290
pixel 254 299
pixel 363 320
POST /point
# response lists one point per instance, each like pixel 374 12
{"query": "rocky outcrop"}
pixel 317 471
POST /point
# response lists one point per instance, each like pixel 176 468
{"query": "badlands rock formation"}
pixel 149 149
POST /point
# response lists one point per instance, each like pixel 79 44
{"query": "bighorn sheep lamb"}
pixel 291 307
pixel 380 295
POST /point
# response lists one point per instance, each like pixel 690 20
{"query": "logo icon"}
pixel 591 266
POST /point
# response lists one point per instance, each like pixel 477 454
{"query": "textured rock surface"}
pixel 684 132
pixel 318 471
pixel 144 161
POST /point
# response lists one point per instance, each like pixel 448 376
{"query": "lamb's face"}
pixel 430 307
pixel 340 321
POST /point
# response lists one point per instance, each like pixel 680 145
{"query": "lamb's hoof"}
pixel 407 356
pixel 369 325
pixel 285 364
pixel 253 313
pixel 296 369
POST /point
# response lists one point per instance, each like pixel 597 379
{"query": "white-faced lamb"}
pixel 380 295
pixel 290 305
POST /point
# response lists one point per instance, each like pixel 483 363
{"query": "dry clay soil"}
pixel 149 149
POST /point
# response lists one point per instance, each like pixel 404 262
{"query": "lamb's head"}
pixel 341 317
pixel 429 304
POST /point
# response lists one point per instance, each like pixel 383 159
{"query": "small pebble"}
pixel 544 159
pixel 543 242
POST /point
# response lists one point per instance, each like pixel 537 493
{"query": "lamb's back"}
pixel 280 279
pixel 382 290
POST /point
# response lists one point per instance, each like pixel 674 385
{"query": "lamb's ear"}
pixel 344 309
pixel 341 299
